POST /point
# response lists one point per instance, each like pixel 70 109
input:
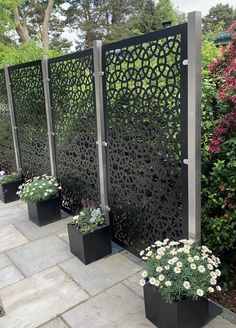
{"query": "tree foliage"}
pixel 217 14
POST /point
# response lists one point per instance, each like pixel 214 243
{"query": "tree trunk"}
pixel 45 35
pixel 21 28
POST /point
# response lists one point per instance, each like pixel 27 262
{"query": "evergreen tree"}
pixel 148 21
pixel 166 12
pixel 217 14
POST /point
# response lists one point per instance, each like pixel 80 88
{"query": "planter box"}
pixel 45 212
pixel 182 314
pixel 91 246
pixel 8 191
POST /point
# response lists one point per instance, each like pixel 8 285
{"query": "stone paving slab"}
pixel 118 307
pixel 55 323
pixel 9 275
pixel 37 299
pixel 10 237
pixel 133 283
pixel 39 255
pixel 12 215
pixel 100 275
pixel 32 231
pixel 219 322
pixel 4 261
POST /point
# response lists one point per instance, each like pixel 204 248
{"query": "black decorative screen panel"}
pixel 28 98
pixel 7 156
pixel 72 95
pixel 145 85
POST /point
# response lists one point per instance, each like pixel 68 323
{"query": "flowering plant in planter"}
pixel 178 275
pixel 179 270
pixel 89 219
pixel 42 197
pixel 89 234
pixel 9 183
pixel 9 178
pixel 39 189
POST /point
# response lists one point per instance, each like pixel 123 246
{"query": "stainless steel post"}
pixel 101 142
pixel 194 126
pixel 51 132
pixel 13 119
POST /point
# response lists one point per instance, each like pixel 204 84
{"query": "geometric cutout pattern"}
pixel 28 97
pixel 146 135
pixel 72 100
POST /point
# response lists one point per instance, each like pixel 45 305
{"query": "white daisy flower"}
pixel 168 283
pixel 142 282
pixel 218 288
pixel 218 272
pixel 45 194
pixel 186 284
pixel 161 277
pixel 210 266
pixel 149 253
pixel 177 270
pixel 144 274
pixel 152 281
pixel 167 267
pixel 170 262
pixel 213 274
pixel 201 268
pixel 213 281
pixel 196 258
pixel 175 259
pixel 190 259
pixel 179 264
pixel 211 290
pixel 200 292
pixel 141 253
pixel 158 243
pixel 157 283
pixel 159 269
pixel 193 266
pixel 158 257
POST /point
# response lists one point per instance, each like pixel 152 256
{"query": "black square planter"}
pixel 182 314
pixel 45 212
pixel 8 191
pixel 91 246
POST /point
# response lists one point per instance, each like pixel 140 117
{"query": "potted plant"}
pixel 9 184
pixel 89 235
pixel 42 197
pixel 177 278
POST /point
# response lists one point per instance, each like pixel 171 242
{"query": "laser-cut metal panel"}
pixel 7 156
pixel 145 85
pixel 28 98
pixel 72 96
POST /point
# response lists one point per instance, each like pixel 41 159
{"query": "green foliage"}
pixel 38 189
pixel 12 55
pixel 89 220
pixel 10 178
pixel 167 12
pixel 179 269
pixel 218 169
pixel 220 13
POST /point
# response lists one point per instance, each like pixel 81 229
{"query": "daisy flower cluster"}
pixel 38 189
pixel 180 269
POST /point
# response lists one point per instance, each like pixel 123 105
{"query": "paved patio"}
pixel 43 285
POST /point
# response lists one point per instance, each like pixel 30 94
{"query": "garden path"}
pixel 43 285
